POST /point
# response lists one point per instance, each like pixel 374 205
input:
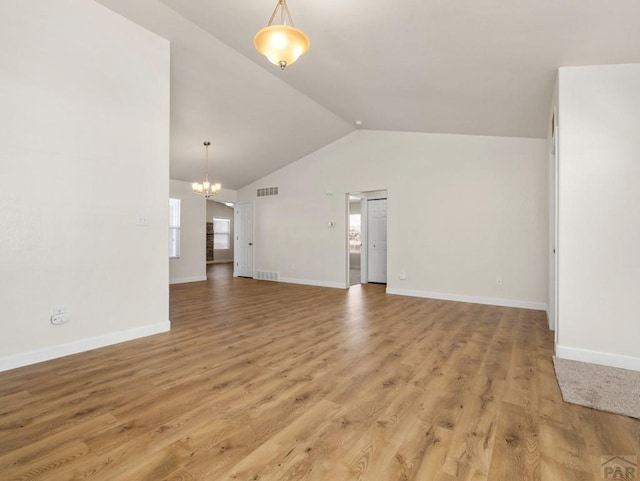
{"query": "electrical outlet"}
pixel 403 275
pixel 59 316
pixel 58 319
pixel 499 281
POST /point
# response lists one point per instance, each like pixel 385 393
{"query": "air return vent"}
pixel 267 275
pixel 265 191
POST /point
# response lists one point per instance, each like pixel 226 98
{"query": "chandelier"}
pixel 282 43
pixel 206 188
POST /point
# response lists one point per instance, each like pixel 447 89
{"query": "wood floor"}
pixel 266 381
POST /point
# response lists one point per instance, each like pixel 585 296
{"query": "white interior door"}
pixel 243 249
pixel 377 240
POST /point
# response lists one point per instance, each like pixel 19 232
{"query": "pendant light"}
pixel 282 43
pixel 206 188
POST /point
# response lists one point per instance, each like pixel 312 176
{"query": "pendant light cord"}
pixel 206 156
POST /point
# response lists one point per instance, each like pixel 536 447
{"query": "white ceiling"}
pixel 482 67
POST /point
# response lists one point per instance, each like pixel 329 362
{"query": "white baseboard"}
pixel 598 357
pixel 184 280
pixel 492 301
pixel 307 282
pixel 13 361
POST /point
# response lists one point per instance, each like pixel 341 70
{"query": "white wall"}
pixel 599 220
pixel 227 195
pixel 462 211
pixel 216 209
pixel 192 264
pixel 84 152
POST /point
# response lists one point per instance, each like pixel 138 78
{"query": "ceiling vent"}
pixel 265 191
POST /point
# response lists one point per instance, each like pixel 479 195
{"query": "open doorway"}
pixel 366 237
pixel 355 240
pixel 220 232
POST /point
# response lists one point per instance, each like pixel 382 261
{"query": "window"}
pixel 174 228
pixel 221 233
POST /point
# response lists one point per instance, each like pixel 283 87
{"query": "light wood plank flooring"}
pixel 266 381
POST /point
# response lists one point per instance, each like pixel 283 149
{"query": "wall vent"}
pixel 267 275
pixel 264 191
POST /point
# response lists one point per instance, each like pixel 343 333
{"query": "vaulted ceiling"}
pixel 470 67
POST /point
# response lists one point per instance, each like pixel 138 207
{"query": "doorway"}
pixel 355 240
pixel 366 237
pixel 220 231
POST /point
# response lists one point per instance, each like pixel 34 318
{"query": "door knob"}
pixel 250 243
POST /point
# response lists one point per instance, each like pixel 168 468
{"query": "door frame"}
pixel 554 254
pixel 364 227
pixel 363 237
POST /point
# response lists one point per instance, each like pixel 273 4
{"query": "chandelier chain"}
pixel 284 11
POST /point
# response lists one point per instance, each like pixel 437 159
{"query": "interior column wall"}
pixel 84 179
pixel 599 224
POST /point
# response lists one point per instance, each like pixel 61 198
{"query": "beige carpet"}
pixel 600 387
